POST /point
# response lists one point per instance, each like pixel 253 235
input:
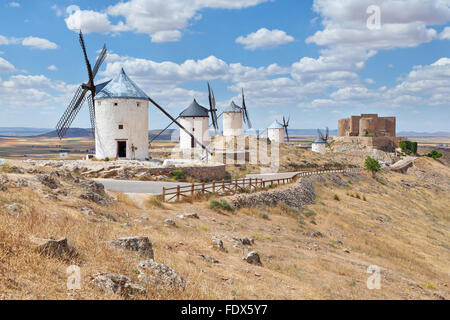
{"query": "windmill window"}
pixel 99 103
pixel 138 104
pixel 120 126
pixel 115 104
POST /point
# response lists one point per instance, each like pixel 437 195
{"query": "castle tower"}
pixel 121 120
pixel 195 119
pixel 232 121
pixel 275 132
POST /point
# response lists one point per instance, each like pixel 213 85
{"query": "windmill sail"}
pixel 212 108
pixel 245 112
pixel 81 94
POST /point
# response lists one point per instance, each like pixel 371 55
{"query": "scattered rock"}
pixel 55 248
pixel 346 250
pixel 88 211
pixel 217 243
pixel 114 283
pixel 143 245
pixel 169 223
pixel 15 207
pixel 253 258
pixel 48 180
pixel 245 241
pixel 315 234
pixel 51 196
pixel 3 182
pixel 159 275
pixel 193 216
pixel 95 197
pixel 209 259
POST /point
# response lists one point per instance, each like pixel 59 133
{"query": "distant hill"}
pixel 21 131
pixel 71 133
pixel 413 134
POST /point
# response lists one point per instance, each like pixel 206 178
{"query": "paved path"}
pixel 132 186
pixel 272 176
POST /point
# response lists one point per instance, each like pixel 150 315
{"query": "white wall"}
pixel 134 119
pixel 319 148
pixel 201 132
pixel 276 135
pixel 232 124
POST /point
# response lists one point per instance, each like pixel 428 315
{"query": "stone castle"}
pixel 369 130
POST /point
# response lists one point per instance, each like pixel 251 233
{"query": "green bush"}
pixel 221 204
pixel 434 154
pixel 177 174
pixel 408 147
pixel 107 159
pixel 336 197
pixel 372 165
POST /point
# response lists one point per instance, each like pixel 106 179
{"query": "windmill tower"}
pixel 195 119
pixel 121 114
pixel 320 144
pixel 275 132
pixel 232 121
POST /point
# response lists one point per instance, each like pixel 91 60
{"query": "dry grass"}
pixel 402 230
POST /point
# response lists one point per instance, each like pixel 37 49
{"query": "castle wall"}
pixel 132 116
pixel 367 123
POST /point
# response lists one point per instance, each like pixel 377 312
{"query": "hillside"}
pixel 398 222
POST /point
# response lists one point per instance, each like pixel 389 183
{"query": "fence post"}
pixel 192 191
pixel 178 192
pixel 235 185
pixel 164 194
pixel 203 188
pixel 214 187
pixel 250 183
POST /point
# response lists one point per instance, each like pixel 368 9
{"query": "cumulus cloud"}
pixel 264 38
pixel 6 66
pixel 445 34
pixel 52 67
pixel 14 4
pixel 162 20
pixel 39 43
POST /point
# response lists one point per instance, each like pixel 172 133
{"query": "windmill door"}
pixel 121 149
pixel 192 142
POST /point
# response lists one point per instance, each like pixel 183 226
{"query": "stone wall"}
pixel 383 143
pixel 367 123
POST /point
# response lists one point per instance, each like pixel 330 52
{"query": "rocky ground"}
pixel 311 240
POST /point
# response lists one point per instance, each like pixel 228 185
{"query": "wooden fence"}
pixel 244 185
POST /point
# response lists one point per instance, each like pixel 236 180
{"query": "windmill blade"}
pixel 320 134
pixel 88 65
pixel 327 134
pixel 100 60
pixel 90 100
pixel 212 108
pixel 287 133
pixel 71 112
pixel 179 125
pixel 244 107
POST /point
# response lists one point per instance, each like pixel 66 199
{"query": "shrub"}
pixel 434 154
pixel 336 197
pixel 221 204
pixel 372 165
pixel 408 147
pixel 155 202
pixel 107 159
pixel 177 174
pixel 309 213
pixel 264 215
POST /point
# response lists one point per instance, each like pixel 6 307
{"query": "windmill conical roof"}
pixel 319 140
pixel 195 110
pixel 121 87
pixel 233 108
pixel 275 125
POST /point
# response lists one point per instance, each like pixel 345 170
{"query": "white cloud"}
pixel 14 4
pixel 369 81
pixel 445 34
pixel 39 43
pixel 52 68
pixel 264 38
pixel 162 20
pixel 57 10
pixel 6 66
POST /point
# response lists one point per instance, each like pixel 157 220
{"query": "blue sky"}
pixel 316 61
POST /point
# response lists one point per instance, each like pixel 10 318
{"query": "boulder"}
pixel 55 248
pixel 95 197
pixel 169 223
pixel 253 258
pixel 3 182
pixel 143 245
pixel 159 275
pixel 114 283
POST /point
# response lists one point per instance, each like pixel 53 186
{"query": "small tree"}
pixel 434 154
pixel 372 165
